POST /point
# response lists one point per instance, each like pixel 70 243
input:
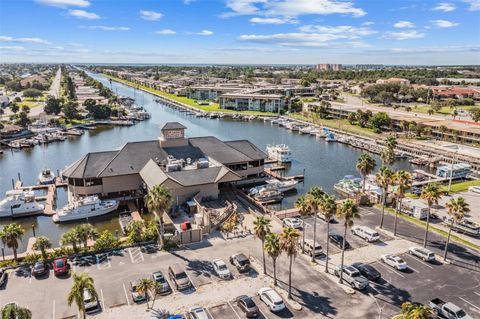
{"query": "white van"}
pixel 308 246
pixel 366 233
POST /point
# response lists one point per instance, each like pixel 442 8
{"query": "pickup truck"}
pixel 447 310
pixel 352 276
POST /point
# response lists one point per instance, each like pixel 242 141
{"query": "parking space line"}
pixel 263 314
pixel 126 295
pixel 476 293
pixel 228 302
pixel 391 270
pixel 209 314
pixel 471 304
pixel 53 316
pixel 136 255
pixel 410 257
pixel 103 299
pixel 410 267
pixel 103 261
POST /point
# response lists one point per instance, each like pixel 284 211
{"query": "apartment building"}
pixel 329 67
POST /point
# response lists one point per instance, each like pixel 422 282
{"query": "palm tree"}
pixel 84 232
pixel 42 243
pixel 10 235
pixel 14 311
pixel 384 180
pixel 146 286
pixel 413 311
pixel 261 228
pixel 365 165
pixel 314 197
pixel 457 208
pixel 328 207
pixel 159 201
pixel 135 231
pixel 387 156
pixel 348 211
pixel 289 244
pixel 403 181
pixel 81 283
pixel 70 238
pixel 273 248
pixel 304 210
pixel 431 194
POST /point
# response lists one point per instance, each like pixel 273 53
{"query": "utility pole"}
pixel 451 172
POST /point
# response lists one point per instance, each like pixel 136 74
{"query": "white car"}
pixel 197 312
pixel 272 299
pixel 474 189
pixel 221 269
pixel 394 261
pixel 422 253
pixel 292 222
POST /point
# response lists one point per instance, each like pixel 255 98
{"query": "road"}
pixel 55 87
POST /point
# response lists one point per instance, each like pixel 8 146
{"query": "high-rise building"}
pixel 328 67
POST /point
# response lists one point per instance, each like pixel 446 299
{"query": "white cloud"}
pixel 345 31
pixel 291 8
pixel 445 7
pixel 204 33
pixel 474 4
pixel 404 24
pixel 368 23
pixel 12 48
pixel 404 35
pixel 166 32
pixel 105 28
pixel 150 15
pixel 65 3
pixel 75 44
pixel 259 20
pixel 23 40
pixel 58 48
pixel 188 1
pixel 82 14
pixel 443 23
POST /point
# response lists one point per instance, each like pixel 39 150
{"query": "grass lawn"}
pixel 213 107
pixel 31 104
pixel 456 188
pixel 75 122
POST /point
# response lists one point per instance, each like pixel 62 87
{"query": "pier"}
pixel 281 177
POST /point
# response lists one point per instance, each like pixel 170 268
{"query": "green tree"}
pixel 261 228
pixel 380 120
pixel 414 311
pixel 304 210
pixel 42 243
pixel 347 211
pixel 158 201
pixel 70 238
pixel 289 242
pixel 14 311
pixel 23 119
pixel 457 208
pixel 365 165
pixel 32 93
pixel 81 283
pixel 147 286
pixel 10 235
pixel 84 232
pixel 384 180
pixel 475 114
pixel 273 247
pixel 135 231
pixel 402 181
pixel 14 107
pixel 70 110
pixel 328 207
pixel 313 198
pixel 105 241
pixel 53 106
pixel 431 194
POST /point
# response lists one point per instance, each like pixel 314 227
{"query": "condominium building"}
pixel 328 67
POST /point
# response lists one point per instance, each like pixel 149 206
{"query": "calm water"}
pixel 324 163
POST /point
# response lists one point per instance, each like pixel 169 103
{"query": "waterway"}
pixel 324 163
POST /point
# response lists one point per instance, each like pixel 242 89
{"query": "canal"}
pixel 324 163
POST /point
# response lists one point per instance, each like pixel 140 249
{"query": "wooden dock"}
pixel 292 212
pixel 270 161
pixel 134 211
pixel 281 177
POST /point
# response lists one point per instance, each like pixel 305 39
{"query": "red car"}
pixel 60 266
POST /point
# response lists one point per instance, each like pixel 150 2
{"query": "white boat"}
pixel 306 130
pixel 269 196
pixel 19 203
pixel 279 152
pixel 46 177
pixel 282 186
pixel 86 207
pixel 330 137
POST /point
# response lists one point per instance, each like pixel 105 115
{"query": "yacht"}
pixel 274 185
pixel 269 196
pixel 19 203
pixel 306 130
pixel 279 152
pixel 86 207
pixel 46 177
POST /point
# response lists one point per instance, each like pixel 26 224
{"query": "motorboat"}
pixel 282 186
pixel 279 152
pixel 46 177
pixel 306 130
pixel 86 207
pixel 18 203
pixel 330 137
pixel 270 196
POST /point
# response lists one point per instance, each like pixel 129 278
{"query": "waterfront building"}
pixel 243 101
pixel 400 81
pixel 190 167
pixel 210 93
pixel 457 170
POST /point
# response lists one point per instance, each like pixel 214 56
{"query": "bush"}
pixel 32 258
pixel 106 241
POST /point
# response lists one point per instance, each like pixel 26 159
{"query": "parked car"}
pixel 447 309
pixel 293 222
pixel 366 233
pixel 90 302
pixel 272 299
pixel 310 250
pixel 248 306
pixel 60 266
pixel 162 284
pixel 394 261
pixel 368 271
pixel 3 277
pixel 322 217
pixel 422 253
pixel 474 189
pixel 137 297
pixel 221 269
pixel 337 240
pixel 40 268
pixel 352 276
pixel 197 312
pixel 241 262
pixel 179 277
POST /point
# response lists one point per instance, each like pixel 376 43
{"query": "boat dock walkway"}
pixel 134 211
pixel 432 178
pixel 281 177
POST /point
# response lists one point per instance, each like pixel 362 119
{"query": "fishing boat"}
pixel 280 152
pixel 86 207
pixel 269 196
pixel 46 177
pixel 18 203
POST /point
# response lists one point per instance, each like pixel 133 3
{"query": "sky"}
pixel 400 32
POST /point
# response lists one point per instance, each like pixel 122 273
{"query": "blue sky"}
pixel 241 31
